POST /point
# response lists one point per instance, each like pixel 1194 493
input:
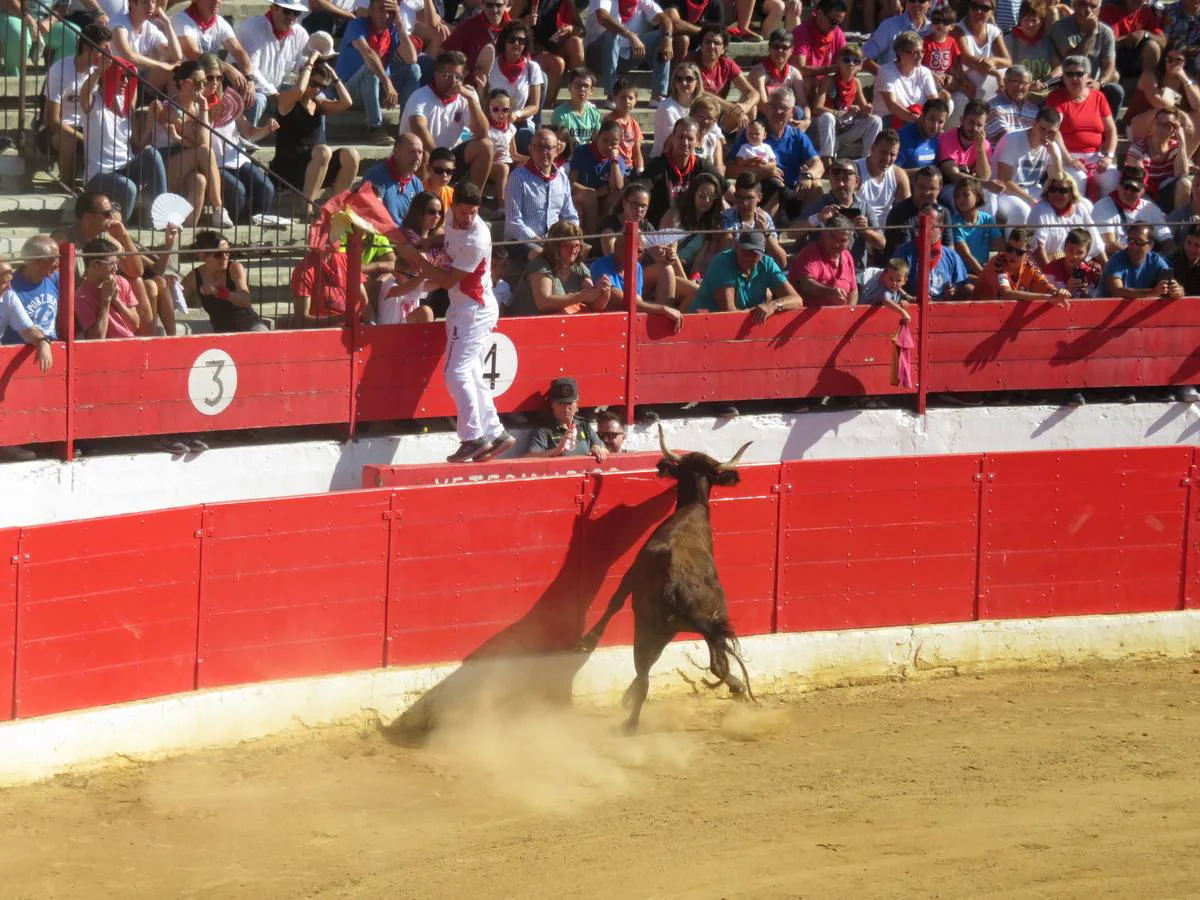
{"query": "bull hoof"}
pixel 736 688
pixel 586 644
pixel 630 727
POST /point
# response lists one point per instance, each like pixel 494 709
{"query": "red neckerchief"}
pixel 847 91
pixel 1066 212
pixel 512 71
pixel 1116 198
pixel 562 16
pixel 538 172
pixel 819 38
pixel 493 31
pixel 394 170
pixel 204 24
pixel 1026 39
pixel 380 42
pixel 694 10
pixel 279 35
pixel 119 87
pixel 935 256
pixel 626 9
pixel 681 174
pixel 446 101
pixel 775 76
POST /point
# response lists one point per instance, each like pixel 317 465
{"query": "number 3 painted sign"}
pixel 499 364
pixel 212 382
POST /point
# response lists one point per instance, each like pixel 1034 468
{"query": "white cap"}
pixel 320 43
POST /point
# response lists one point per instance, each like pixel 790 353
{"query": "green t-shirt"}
pixel 582 126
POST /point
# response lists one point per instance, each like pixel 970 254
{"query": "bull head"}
pixel 698 464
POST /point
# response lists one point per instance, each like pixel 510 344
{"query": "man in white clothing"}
pixel 146 38
pixel 469 321
pixel 62 116
pixel 202 30
pixel 439 112
pixel 1023 161
pixel 1128 204
pixel 275 44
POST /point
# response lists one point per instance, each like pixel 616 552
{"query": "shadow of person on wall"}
pixel 534 660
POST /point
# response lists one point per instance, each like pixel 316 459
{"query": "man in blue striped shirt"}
pixel 537 195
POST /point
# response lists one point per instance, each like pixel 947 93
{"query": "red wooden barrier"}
pixel 872 542
pixel 1095 343
pixel 1082 532
pixel 401 366
pixel 293 587
pixel 504 470
pixel 211 382
pixel 33 406
pixel 10 544
pixel 1191 546
pixel 726 356
pixel 107 610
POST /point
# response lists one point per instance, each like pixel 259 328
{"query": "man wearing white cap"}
pixel 275 43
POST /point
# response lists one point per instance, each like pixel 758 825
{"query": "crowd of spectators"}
pixel 794 182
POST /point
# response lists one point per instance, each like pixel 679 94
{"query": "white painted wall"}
pixel 49 491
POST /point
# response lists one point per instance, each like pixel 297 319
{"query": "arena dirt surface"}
pixel 1074 783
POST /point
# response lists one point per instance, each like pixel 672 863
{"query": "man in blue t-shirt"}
pixel 744 278
pixel 378 63
pixel 610 269
pixel 919 139
pixel 35 286
pixel 597 176
pixel 796 174
pixel 396 176
pixel 1137 271
pixel 948 273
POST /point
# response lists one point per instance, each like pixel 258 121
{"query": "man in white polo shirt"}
pixel 275 44
pixel 439 112
pixel 146 38
pixel 469 322
pixel 202 30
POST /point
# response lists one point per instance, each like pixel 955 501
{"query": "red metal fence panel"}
pixel 10 543
pixel 211 382
pixel 726 356
pixel 401 365
pixel 33 404
pixel 1085 532
pixel 293 587
pixel 1095 343
pixel 107 610
pixel 873 542
pixel 469 561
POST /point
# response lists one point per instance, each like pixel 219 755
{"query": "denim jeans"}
pixel 604 57
pixel 247 191
pixel 145 172
pixel 407 78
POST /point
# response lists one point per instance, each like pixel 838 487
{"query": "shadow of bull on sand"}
pixel 534 661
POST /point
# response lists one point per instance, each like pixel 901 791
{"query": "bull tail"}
pixel 722 644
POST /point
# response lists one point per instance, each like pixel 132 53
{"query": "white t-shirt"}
pixel 63 84
pixel 1113 221
pixel 501 141
pixel 1053 236
pixel 1028 165
pixel 226 145
pixel 668 112
pixel 105 139
pixel 145 41
pixel 272 59
pixel 445 121
pixel 641 22
pixel 208 41
pixel 470 250
pixel 519 92
pixel 393 306
pixel 906 90
pixel 707 148
pixel 762 151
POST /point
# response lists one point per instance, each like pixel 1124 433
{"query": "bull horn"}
pixel 666 451
pixel 732 464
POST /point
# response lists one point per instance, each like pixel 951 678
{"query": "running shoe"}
pixel 468 450
pixel 497 445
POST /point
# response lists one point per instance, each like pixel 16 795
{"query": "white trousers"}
pixel 468 327
pixel 830 137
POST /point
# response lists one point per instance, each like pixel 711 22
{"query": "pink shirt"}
pixel 951 148
pixel 87 308
pixel 816 49
pixel 812 263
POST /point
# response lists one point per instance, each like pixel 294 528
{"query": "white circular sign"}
pixel 499 363
pixel 212 383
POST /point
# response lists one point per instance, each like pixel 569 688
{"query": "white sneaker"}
pixel 1188 394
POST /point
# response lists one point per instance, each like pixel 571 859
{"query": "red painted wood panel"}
pixel 401 365
pixel 470 563
pixel 293 587
pixel 1191 562
pixel 1083 532
pixel 503 470
pixel 140 386
pixel 107 611
pixel 1096 343
pixel 622 510
pixel 874 542
pixel 32 404
pixel 10 541
pixel 726 356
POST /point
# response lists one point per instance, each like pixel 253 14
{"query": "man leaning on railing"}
pixel 1137 271
pixel 15 321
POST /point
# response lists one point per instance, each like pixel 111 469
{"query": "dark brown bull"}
pixel 674 581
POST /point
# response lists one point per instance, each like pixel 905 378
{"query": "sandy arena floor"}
pixel 1080 783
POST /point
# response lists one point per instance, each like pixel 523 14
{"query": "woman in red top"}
pixel 1088 129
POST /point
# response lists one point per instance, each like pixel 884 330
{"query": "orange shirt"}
pixel 1026 277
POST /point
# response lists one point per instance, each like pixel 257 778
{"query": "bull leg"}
pixel 648 645
pixel 589 641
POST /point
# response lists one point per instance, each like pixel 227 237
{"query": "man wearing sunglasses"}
pixel 820 41
pixel 275 43
pixel 1011 275
pixel 1137 271
pixel 1124 206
